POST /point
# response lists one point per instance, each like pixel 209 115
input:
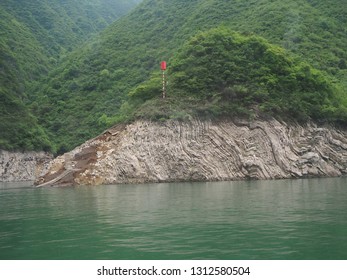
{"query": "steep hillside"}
pixel 22 58
pixel 60 25
pixel 220 73
pixel 86 91
pixel 19 129
pixel 34 35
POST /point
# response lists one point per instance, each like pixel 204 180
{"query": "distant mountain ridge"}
pixel 34 35
pixel 64 24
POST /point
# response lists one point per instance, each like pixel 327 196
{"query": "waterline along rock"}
pixel 197 150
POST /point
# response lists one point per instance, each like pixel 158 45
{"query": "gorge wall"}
pixel 198 150
pixel 16 166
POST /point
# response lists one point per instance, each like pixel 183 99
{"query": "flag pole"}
pixel 163 68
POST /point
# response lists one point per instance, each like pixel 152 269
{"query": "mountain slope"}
pixel 19 128
pixel 34 35
pixel 60 25
pixel 92 84
pixel 220 73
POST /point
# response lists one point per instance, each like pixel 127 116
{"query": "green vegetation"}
pixel 223 73
pixel 19 129
pixel 84 94
pixel 61 25
pixel 299 69
pixel 34 36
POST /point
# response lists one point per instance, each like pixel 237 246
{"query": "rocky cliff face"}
pixel 22 166
pixel 202 150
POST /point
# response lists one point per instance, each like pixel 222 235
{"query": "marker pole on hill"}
pixel 163 68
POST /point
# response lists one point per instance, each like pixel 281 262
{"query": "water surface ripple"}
pixel 284 219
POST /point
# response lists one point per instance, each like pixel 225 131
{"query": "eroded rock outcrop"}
pixel 202 151
pixel 16 166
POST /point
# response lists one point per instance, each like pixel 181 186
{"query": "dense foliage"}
pixel 18 128
pixel 34 36
pixel 61 25
pixel 86 89
pixel 223 73
pixel 84 94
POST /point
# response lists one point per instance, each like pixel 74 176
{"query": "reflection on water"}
pixel 285 219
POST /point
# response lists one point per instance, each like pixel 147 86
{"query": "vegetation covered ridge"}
pixel 224 73
pixel 79 97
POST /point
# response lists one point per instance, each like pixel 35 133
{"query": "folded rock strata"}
pixel 199 150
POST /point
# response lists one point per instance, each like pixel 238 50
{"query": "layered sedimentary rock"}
pixel 198 150
pixel 16 166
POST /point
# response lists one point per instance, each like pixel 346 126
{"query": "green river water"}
pixel 262 220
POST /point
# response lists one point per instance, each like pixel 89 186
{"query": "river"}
pixel 262 220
